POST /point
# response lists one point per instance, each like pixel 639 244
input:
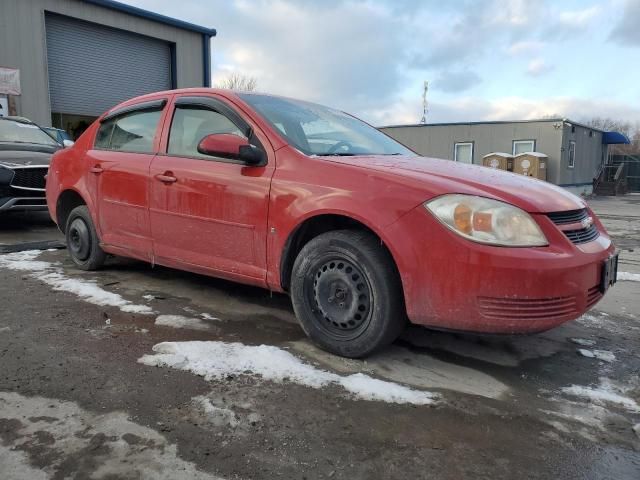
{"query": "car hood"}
pixel 21 155
pixel 439 177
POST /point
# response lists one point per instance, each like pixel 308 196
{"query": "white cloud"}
pixel 516 13
pixel 456 81
pixel 626 32
pixel 579 18
pixel 506 108
pixel 510 108
pixel 525 47
pixel 369 57
pixel 538 66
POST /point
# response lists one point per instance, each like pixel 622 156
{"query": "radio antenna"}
pixel 424 102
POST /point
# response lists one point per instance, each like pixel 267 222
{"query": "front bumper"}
pixel 452 283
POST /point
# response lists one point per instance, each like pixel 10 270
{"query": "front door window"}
pixel 190 125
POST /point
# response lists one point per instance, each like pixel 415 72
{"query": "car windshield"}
pixel 14 131
pixel 317 130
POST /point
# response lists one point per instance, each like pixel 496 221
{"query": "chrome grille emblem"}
pixel 586 222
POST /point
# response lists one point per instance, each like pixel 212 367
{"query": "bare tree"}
pixel 610 124
pixel 238 81
pixel 631 130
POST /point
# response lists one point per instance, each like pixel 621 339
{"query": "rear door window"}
pixel 133 132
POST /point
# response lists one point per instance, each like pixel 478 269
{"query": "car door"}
pixel 209 213
pixel 119 164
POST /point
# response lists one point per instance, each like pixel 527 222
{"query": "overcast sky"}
pixel 484 60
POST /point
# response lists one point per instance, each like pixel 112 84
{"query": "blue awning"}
pixel 610 138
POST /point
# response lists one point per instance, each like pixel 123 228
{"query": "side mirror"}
pixel 68 143
pixel 227 145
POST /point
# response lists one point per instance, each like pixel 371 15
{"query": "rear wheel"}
pixel 346 293
pixel 82 240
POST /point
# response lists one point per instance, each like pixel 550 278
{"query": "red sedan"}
pixel 300 198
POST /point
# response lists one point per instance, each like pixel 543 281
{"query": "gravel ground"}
pixel 76 402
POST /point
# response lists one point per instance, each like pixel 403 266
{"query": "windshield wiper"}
pixel 336 154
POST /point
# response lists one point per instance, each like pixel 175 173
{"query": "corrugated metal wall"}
pixel 92 67
pixel 23 46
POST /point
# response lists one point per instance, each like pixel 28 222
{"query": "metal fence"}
pixel 632 170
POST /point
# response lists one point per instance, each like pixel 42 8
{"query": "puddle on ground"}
pixel 400 365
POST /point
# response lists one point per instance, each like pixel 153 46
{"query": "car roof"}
pixel 17 119
pixel 225 92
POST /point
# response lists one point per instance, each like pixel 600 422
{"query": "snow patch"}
pixel 16 466
pixel 219 416
pixel 54 276
pixel 605 393
pixel 179 321
pixel 206 316
pixel 629 277
pixel 583 342
pixel 601 321
pixel 603 355
pixel 217 360
pixel 134 451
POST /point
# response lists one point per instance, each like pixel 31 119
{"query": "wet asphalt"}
pixel 75 403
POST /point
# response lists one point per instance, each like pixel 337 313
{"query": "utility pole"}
pixel 424 102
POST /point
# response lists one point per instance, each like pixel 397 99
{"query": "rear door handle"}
pixel 97 169
pixel 167 177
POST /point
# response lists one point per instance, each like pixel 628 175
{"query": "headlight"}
pixel 487 221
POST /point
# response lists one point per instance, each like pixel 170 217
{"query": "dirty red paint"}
pixel 234 220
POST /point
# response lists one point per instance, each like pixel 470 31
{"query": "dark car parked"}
pixel 25 153
pixel 58 134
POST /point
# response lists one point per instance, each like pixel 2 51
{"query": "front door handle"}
pixel 167 177
pixel 97 169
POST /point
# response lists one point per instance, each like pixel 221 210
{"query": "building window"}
pixel 463 152
pixel 522 146
pixel 572 154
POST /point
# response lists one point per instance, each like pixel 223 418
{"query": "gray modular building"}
pixel 78 58
pixel 575 151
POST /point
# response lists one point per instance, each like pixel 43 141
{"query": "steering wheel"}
pixel 338 145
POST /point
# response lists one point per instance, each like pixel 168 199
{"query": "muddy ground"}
pixel 76 403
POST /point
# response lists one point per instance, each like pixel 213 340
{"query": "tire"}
pixel 346 293
pixel 82 240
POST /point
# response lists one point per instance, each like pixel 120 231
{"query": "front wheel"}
pixel 346 293
pixel 82 240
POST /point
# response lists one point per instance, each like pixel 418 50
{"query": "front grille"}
pixel 10 192
pixel 527 309
pixel 6 191
pixel 29 177
pixel 579 235
pixel 583 235
pixel 570 216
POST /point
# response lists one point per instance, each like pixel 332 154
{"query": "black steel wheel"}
pixel 82 240
pixel 346 293
pixel 79 239
pixel 342 297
